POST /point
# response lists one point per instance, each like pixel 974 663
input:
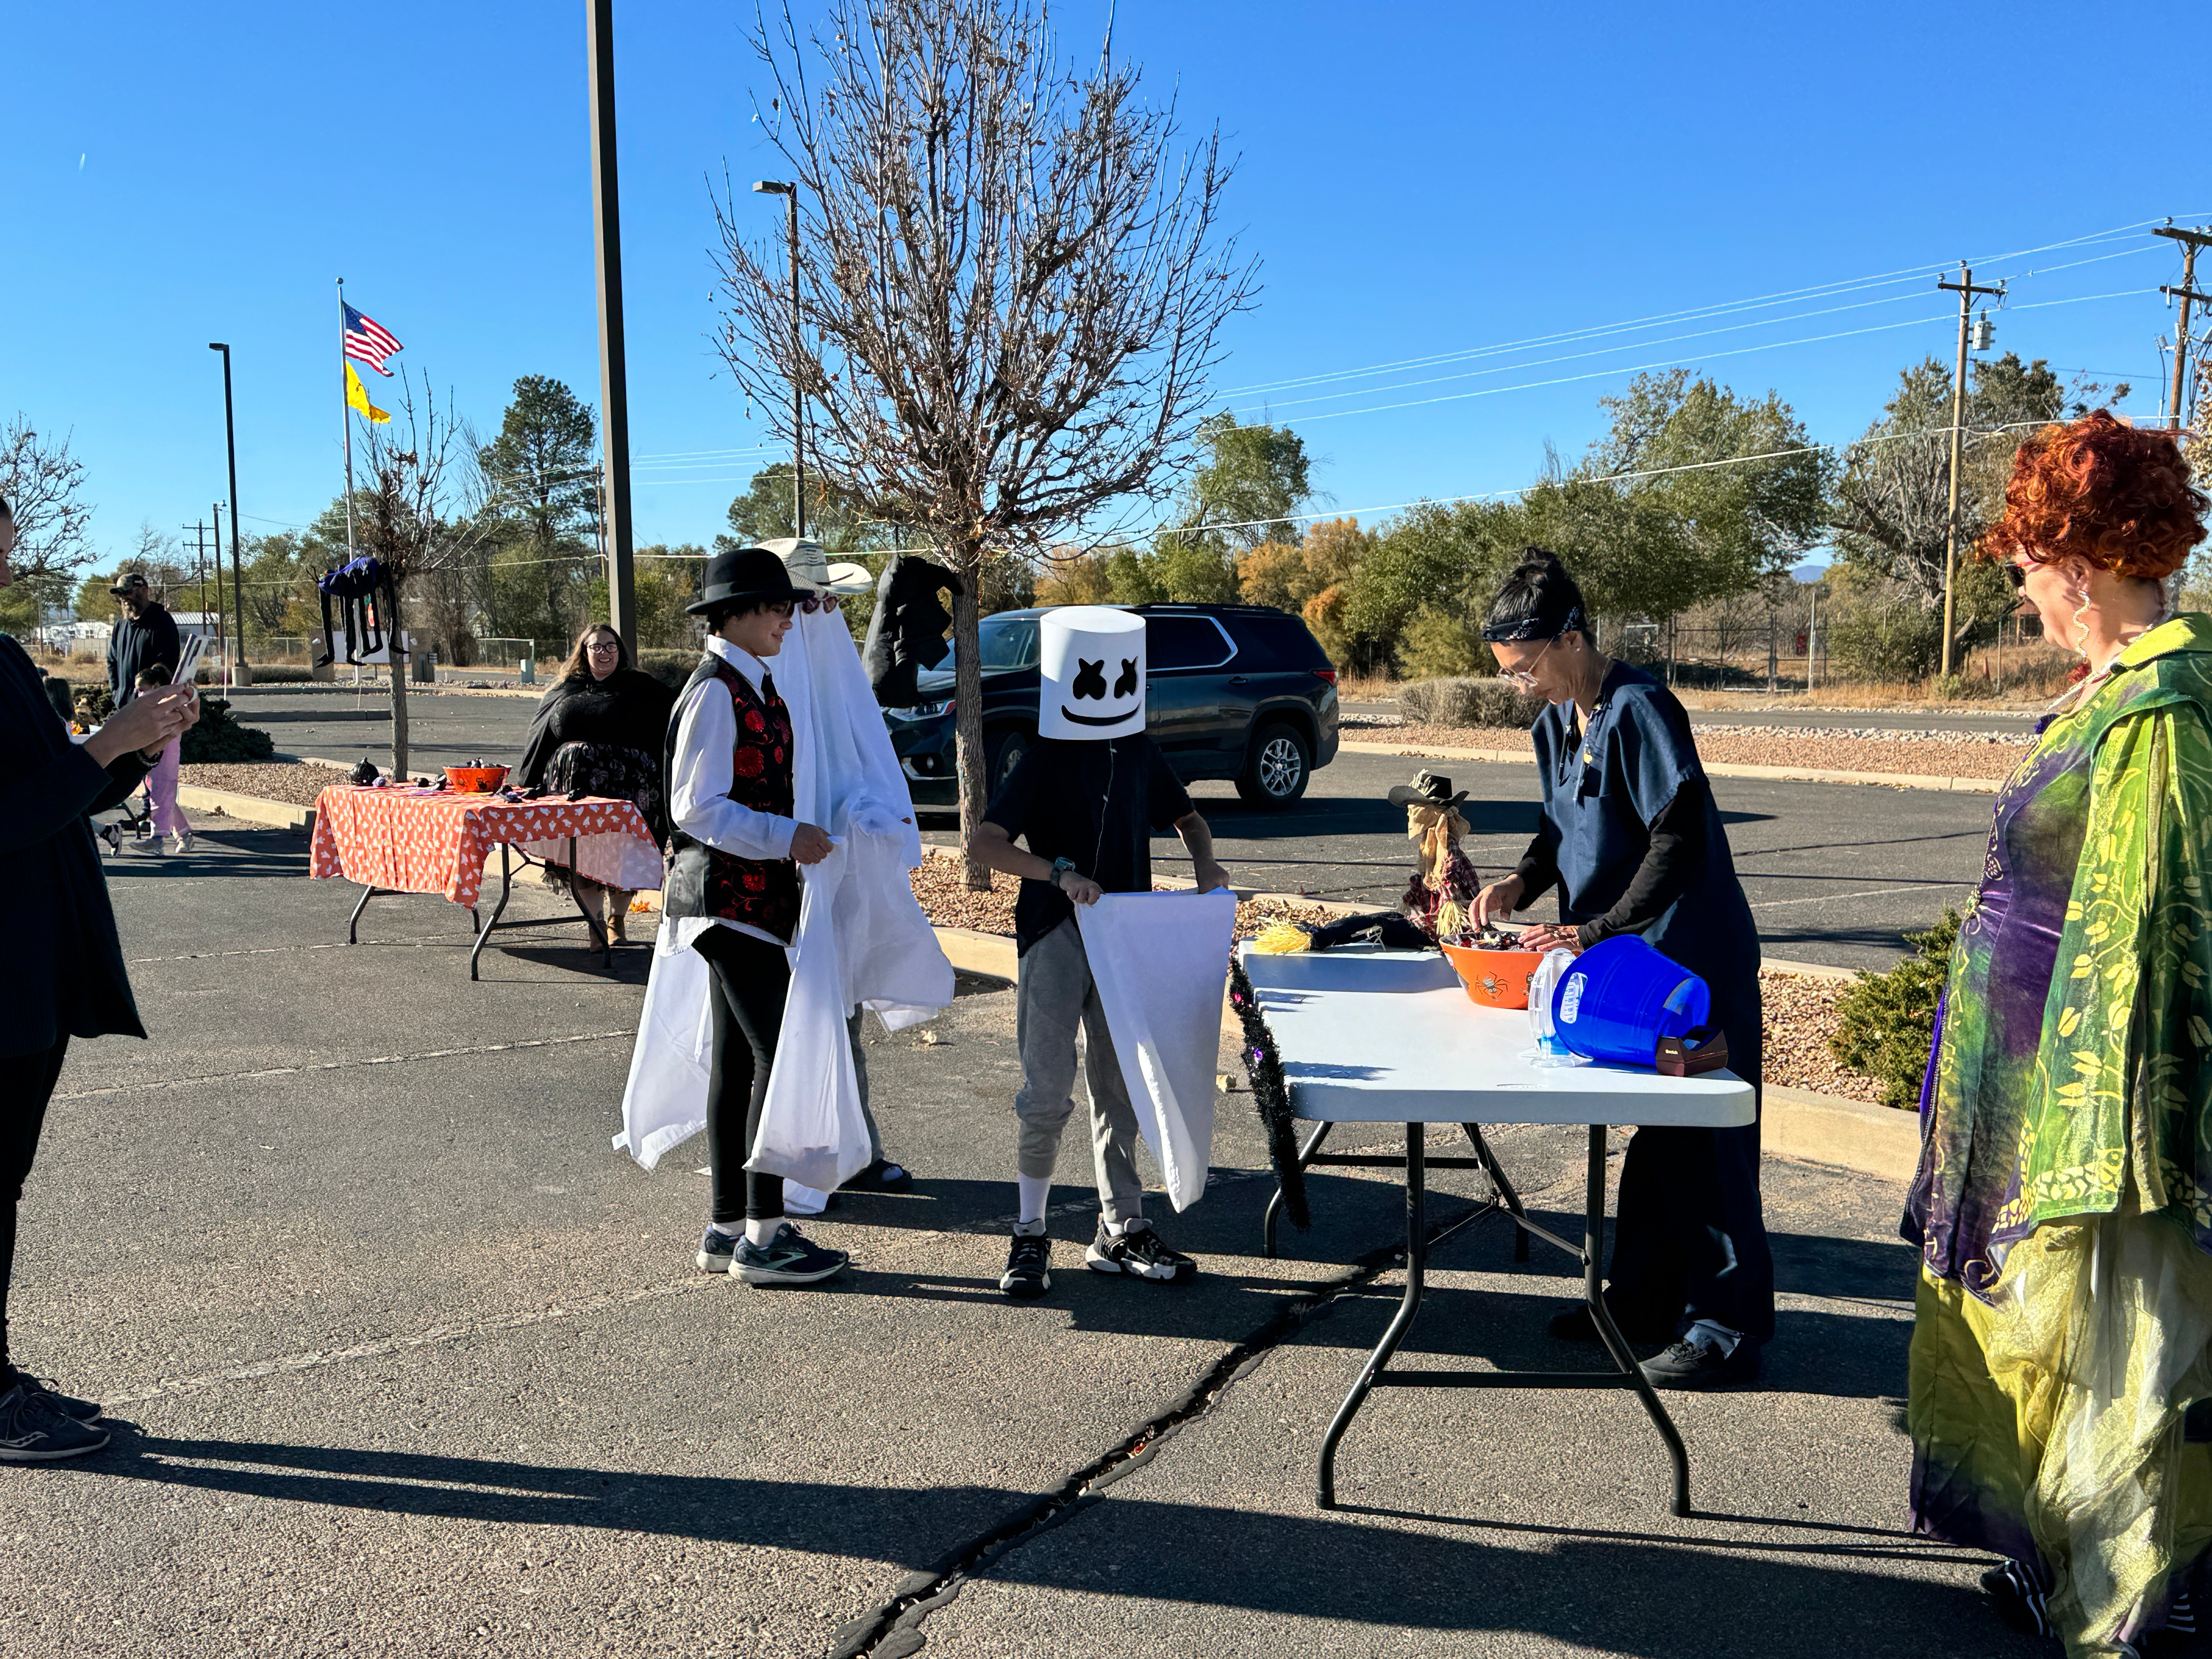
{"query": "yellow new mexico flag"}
pixel 357 398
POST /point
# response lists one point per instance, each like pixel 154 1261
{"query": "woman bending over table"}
pixel 2061 1403
pixel 1631 837
pixel 598 731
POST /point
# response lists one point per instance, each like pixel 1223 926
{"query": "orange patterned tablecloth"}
pixel 435 841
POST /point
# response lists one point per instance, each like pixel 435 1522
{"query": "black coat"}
pixel 627 709
pixel 906 634
pixel 136 644
pixel 63 976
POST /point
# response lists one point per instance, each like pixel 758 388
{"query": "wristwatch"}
pixel 1061 867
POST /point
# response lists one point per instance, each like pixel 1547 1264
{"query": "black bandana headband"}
pixel 1533 627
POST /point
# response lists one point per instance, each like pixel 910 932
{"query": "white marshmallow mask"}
pixel 1091 660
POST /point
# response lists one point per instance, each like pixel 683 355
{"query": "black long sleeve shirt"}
pixel 64 975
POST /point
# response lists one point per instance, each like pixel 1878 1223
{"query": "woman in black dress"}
pixel 599 730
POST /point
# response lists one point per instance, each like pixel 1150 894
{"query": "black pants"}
pixel 26 1084
pixel 750 978
pixel 1689 1239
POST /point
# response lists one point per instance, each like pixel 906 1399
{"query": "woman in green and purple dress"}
pixel 2061 1407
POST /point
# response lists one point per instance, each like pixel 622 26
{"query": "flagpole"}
pixel 345 419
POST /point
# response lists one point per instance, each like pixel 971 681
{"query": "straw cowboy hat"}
pixel 810 568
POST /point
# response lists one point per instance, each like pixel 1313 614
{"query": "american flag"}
pixel 367 341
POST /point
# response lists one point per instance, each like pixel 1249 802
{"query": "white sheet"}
pixel 1161 962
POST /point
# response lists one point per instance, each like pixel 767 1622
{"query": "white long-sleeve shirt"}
pixel 699 785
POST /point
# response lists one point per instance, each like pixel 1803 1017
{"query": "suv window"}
pixel 1184 642
pixel 1007 642
pixel 1286 640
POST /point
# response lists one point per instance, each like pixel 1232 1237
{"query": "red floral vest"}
pixel 704 881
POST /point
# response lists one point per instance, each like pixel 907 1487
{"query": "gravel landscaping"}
pixel 1826 749
pixel 1801 1018
pixel 290 782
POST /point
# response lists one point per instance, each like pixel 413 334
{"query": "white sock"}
pixel 1115 1228
pixel 1711 1333
pixel 725 1228
pixel 764 1232
pixel 1036 1192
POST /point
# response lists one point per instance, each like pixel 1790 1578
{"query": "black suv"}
pixel 1231 691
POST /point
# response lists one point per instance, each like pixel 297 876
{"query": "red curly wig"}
pixel 2103 490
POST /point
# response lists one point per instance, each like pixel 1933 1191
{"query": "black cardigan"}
pixel 64 975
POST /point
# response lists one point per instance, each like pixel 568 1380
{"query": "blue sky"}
pixel 1418 180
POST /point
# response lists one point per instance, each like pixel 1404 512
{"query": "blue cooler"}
pixel 1622 997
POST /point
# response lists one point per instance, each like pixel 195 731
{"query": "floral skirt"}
pixel 618 773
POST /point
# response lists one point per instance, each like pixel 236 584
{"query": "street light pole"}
pixel 614 387
pixel 790 193
pixel 230 442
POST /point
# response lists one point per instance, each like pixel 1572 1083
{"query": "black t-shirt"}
pixel 1095 803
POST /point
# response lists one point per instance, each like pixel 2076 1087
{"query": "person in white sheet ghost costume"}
pixel 1086 799
pixel 746 1026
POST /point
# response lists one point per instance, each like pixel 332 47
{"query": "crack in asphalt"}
pixel 343 1065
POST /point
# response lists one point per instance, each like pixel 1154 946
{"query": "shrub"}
pixel 1887 1022
pixel 673 669
pixel 219 738
pixel 1437 645
pixel 1466 702
pixel 1886 642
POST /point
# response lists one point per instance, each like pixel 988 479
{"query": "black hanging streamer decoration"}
pixel 1271 1093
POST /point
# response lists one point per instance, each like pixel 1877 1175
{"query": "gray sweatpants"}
pixel 1053 996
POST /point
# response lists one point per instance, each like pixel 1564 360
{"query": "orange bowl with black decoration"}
pixel 1494 979
pixel 475 779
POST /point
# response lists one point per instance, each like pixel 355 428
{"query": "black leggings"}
pixel 750 978
pixel 26 1084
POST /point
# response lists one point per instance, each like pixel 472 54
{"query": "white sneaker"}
pixel 181 841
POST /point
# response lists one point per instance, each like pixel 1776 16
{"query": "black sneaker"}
pixel 2020 1601
pixel 33 1429
pixel 715 1250
pixel 1575 1325
pixel 881 1176
pixel 77 1411
pixel 1690 1365
pixel 1139 1251
pixel 789 1258
pixel 1028 1265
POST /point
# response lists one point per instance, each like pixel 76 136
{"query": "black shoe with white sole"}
pixel 1029 1265
pixel 33 1430
pixel 789 1258
pixel 1139 1251
pixel 77 1411
pixel 1691 1364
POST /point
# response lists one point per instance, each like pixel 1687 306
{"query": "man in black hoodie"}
pixel 143 638
pixel 66 978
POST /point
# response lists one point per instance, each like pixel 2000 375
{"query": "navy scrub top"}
pixel 1601 787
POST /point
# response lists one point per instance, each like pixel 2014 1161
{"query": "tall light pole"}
pixel 790 194
pixel 230 441
pixel 614 389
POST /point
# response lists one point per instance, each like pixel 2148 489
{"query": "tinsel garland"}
pixel 1271 1093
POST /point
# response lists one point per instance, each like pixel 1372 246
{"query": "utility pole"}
pixel 2190 241
pixel 1965 288
pixel 199 576
pixel 790 194
pixel 614 387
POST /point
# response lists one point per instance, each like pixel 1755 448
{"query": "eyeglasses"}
pixel 1526 677
pixel 605 647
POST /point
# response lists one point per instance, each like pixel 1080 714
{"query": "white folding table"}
pixel 1371 1035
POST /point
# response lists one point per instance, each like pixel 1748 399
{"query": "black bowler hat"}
pixel 749 574
pixel 1427 789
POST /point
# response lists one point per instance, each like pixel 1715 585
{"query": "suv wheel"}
pixel 1005 755
pixel 1277 772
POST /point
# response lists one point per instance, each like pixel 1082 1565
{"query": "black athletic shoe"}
pixel 1139 1251
pixel 1690 1365
pixel 881 1176
pixel 1575 1325
pixel 789 1258
pixel 77 1411
pixel 2019 1599
pixel 716 1251
pixel 33 1429
pixel 1029 1263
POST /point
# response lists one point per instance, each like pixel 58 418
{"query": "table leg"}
pixel 1416 1253
pixel 354 920
pixel 506 888
pixel 603 940
pixel 1594 1294
pixel 1506 1195
pixel 1275 1203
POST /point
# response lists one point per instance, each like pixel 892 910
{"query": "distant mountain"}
pixel 1808 574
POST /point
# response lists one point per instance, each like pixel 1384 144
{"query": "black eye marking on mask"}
pixel 1090 678
pixel 1127 682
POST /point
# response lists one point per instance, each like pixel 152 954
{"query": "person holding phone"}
pixel 66 977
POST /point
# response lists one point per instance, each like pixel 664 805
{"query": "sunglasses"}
pixel 814 602
pixel 2016 574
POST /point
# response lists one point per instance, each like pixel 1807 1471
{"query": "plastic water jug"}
pixel 1621 996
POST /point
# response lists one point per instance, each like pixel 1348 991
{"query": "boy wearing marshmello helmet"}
pixel 1086 799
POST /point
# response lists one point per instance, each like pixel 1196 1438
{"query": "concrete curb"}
pixel 1772 774
pixel 1847 1134
pixel 253 809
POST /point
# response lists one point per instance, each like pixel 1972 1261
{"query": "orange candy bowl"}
pixel 475 779
pixel 1494 979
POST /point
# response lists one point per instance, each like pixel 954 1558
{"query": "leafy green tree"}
pixel 763 513
pixel 541 481
pixel 667 580
pixel 1251 482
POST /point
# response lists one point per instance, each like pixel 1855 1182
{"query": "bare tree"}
pixel 1012 281
pixel 41 481
pixel 402 516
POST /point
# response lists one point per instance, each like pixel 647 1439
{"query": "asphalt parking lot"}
pixel 404 1360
